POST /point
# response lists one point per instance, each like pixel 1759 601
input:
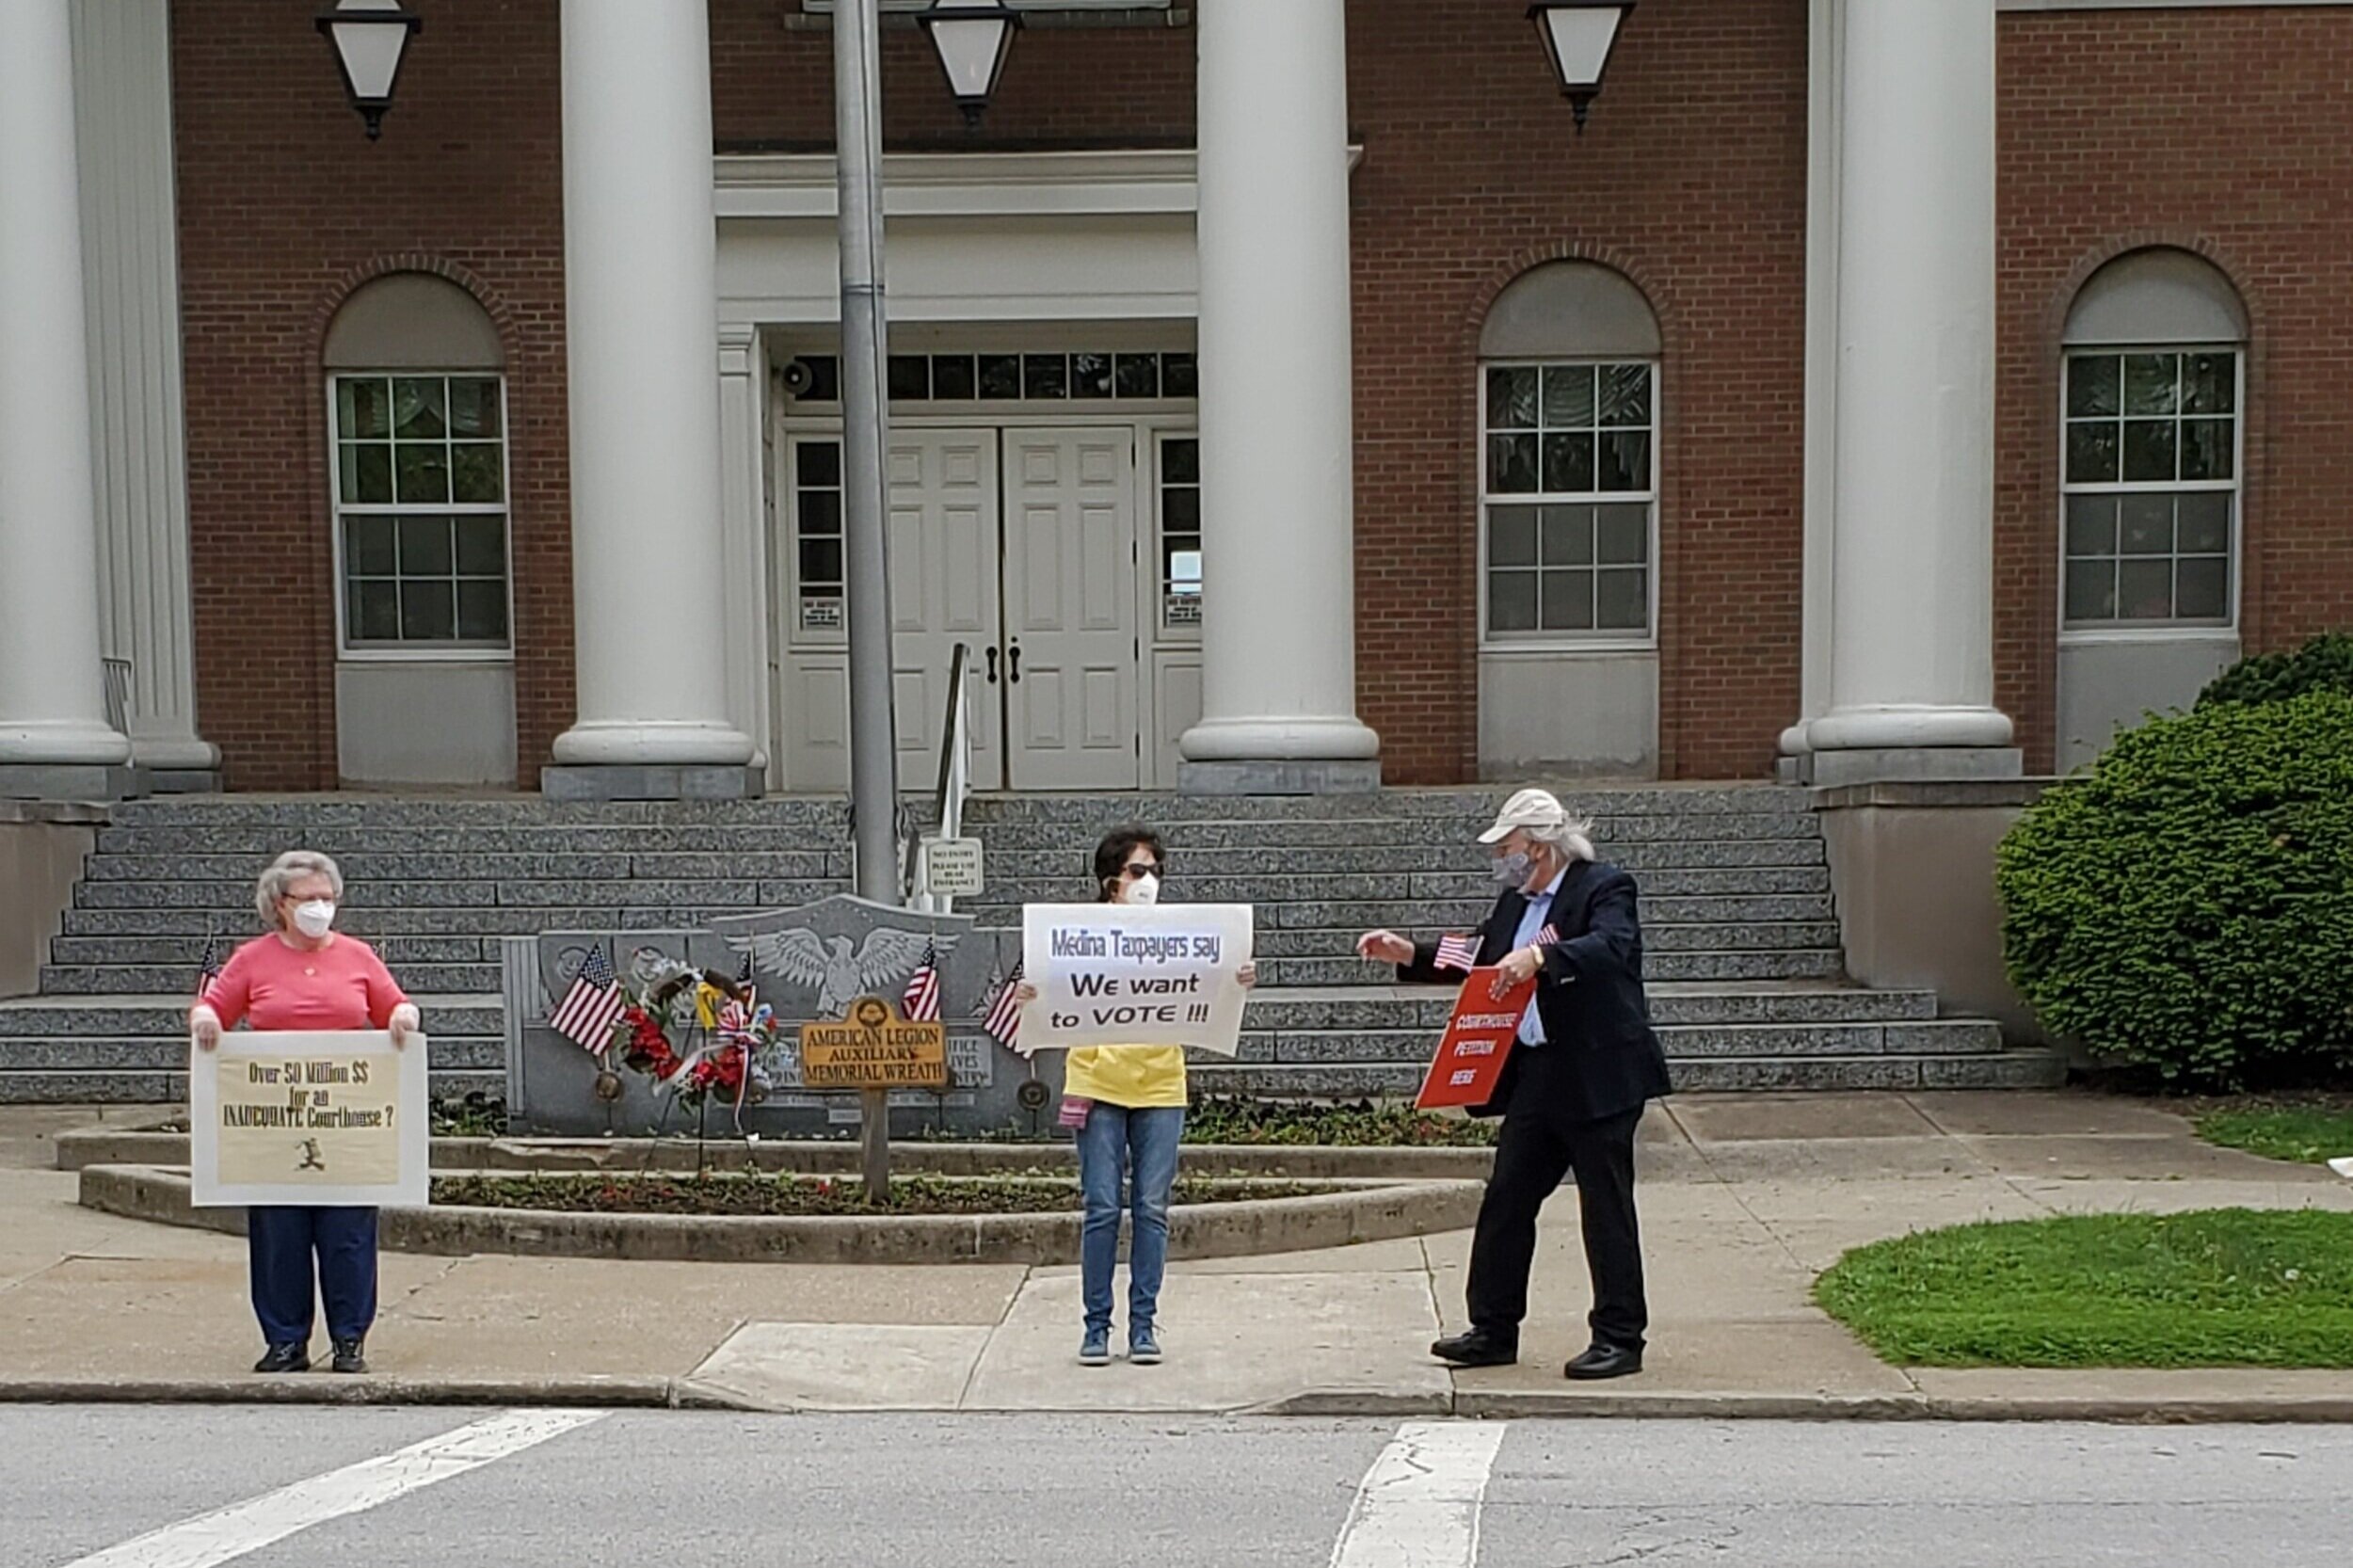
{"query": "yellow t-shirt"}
pixel 1137 1077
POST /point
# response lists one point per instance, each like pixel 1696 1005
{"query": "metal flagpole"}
pixel 874 741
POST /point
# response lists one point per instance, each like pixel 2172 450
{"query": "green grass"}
pixel 2216 1287
pixel 2308 1134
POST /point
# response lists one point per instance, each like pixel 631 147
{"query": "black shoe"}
pixel 1604 1361
pixel 285 1358
pixel 1476 1348
pixel 347 1356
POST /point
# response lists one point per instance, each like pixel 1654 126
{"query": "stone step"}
pixel 260 842
pixel 740 894
pixel 1614 835
pixel 1758 937
pixel 405 865
pixel 115 980
pixel 1682 1041
pixel 376 924
pixel 1426 1008
pixel 155 1087
pixel 110 1053
pixel 1226 876
pixel 1466 914
pixel 401 952
pixel 1972 1070
pixel 166 1015
pixel 1792 964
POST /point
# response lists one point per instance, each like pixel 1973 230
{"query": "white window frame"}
pixel 797 441
pixel 2169 630
pixel 1598 641
pixel 1164 631
pixel 431 653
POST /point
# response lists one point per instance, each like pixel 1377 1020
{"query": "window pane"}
pixel 1624 534
pixel 372 612
pixel 1184 571
pixel 2202 589
pixel 423 472
pixel 1624 395
pixel 428 610
pixel 2210 384
pixel 1511 601
pixel 474 471
pixel 1001 376
pixel 1180 375
pixel 424 547
pixel 820 513
pixel 1567 601
pixel 2206 449
pixel 1090 374
pixel 821 563
pixel 1569 464
pixel 2095 385
pixel 1180 462
pixel 368 548
pixel 1568 396
pixel 2091 525
pixel 1045 376
pixel 362 408
pixel 2149 383
pixel 1511 536
pixel 367 474
pixel 2145 525
pixel 1624 461
pixel 2205 524
pixel 1180 510
pixel 1133 375
pixel 1568 536
pixel 1622 601
pixel 482 610
pixel 474 405
pixel 955 378
pixel 417 409
pixel 824 377
pixel 1511 464
pixel 1511 398
pixel 909 376
pixel 482 547
pixel 2091 453
pixel 820 462
pixel 2148 449
pixel 2144 589
pixel 2091 590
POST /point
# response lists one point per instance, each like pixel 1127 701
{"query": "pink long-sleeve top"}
pixel 275 985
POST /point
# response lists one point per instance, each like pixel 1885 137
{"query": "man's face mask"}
pixel 1512 870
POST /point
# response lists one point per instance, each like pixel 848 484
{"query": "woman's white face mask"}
pixel 1144 891
pixel 314 917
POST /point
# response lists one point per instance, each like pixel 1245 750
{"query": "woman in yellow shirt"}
pixel 1132 1102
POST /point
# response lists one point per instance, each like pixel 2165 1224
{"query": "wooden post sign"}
pixel 874 1047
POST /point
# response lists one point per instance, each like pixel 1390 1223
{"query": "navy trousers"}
pixel 281 1243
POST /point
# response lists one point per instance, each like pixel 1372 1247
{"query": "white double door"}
pixel 1018 544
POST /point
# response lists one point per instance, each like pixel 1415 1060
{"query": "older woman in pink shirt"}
pixel 305 976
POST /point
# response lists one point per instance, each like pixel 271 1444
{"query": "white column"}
pixel 1278 635
pixel 1826 49
pixel 122 96
pixel 1912 666
pixel 743 441
pixel 53 706
pixel 641 286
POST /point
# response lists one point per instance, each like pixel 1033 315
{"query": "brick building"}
pixel 1883 386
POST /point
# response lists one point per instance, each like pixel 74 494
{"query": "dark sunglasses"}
pixel 1135 869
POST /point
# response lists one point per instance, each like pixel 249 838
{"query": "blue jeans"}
pixel 1114 1135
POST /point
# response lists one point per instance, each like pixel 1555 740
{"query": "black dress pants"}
pixel 1532 1156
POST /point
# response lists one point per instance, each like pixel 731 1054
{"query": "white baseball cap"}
pixel 1527 809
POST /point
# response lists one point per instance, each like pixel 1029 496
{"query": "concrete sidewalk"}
pixel 1745 1198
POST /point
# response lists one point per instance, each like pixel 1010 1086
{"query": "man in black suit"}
pixel 1585 1065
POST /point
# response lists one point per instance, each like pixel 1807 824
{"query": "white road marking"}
pixel 231 1532
pixel 1418 1505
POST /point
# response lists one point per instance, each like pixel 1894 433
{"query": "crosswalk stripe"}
pixel 230 1532
pixel 1418 1506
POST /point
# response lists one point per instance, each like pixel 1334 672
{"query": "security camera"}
pixel 799 377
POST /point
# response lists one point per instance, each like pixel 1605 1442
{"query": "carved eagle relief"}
pixel 842 969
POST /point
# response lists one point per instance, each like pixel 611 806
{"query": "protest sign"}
pixel 1115 974
pixel 1478 1041
pixel 307 1119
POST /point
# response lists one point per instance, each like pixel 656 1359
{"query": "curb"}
pixel 598 1392
pixel 2247 1410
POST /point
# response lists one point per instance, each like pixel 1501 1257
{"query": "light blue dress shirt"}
pixel 1534 919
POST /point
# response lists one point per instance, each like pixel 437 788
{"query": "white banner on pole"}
pixel 1113 974
pixel 307 1119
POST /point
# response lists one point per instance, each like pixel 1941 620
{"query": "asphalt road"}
pixel 180 1487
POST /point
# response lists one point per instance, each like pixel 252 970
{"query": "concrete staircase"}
pixel 1743 942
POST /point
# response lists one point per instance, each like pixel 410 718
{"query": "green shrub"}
pixel 2187 905
pixel 2323 665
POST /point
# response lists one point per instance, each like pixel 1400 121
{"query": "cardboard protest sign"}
pixel 1478 1041
pixel 307 1119
pixel 1113 974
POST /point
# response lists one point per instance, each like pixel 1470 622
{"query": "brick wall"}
pixel 2228 132
pixel 284 207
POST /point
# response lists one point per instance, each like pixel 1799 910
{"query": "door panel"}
pixel 1069 609
pixel 943 591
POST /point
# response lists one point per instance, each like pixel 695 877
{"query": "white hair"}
pixel 1571 835
pixel 282 874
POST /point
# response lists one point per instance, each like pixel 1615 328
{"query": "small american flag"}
pixel 921 1004
pixel 208 966
pixel 1458 952
pixel 1004 1020
pixel 1548 937
pixel 594 1004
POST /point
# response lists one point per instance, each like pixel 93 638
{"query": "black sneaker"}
pixel 285 1358
pixel 347 1356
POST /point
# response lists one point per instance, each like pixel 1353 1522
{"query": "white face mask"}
pixel 1144 891
pixel 315 917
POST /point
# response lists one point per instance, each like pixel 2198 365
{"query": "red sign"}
pixel 1478 1041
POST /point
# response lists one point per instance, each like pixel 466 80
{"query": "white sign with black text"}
pixel 1112 974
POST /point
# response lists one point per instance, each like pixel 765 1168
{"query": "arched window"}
pixel 417 399
pixel 1569 461
pixel 2156 363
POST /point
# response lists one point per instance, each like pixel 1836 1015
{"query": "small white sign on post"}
pixel 950 868
pixel 307 1119
pixel 1110 974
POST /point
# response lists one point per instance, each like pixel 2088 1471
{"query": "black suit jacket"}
pixel 1599 1057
